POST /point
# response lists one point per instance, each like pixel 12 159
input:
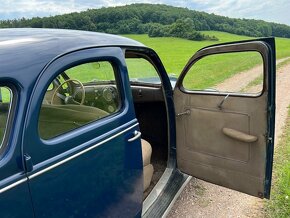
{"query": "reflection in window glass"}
pixel 78 96
pixel 5 102
pixel 239 72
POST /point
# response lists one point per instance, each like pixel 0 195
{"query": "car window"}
pixel 5 108
pixel 236 72
pixel 142 71
pixel 77 96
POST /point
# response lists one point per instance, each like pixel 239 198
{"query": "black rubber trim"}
pixel 159 207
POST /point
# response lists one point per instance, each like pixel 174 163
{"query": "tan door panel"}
pixel 204 133
pixel 203 149
pixel 222 137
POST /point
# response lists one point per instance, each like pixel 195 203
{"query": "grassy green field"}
pixel 175 52
pixel 279 204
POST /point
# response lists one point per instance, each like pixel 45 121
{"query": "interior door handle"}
pixel 137 135
pixel 235 134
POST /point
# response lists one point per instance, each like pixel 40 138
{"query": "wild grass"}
pixel 283 63
pixel 279 204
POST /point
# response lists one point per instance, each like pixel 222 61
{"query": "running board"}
pixel 166 199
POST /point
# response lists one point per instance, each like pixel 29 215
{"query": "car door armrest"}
pixel 238 135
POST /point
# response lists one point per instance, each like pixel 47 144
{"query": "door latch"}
pixel 28 163
pixel 222 102
pixel 137 135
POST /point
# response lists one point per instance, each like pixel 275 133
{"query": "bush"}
pixel 182 28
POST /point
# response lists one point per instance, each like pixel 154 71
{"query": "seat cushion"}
pixel 55 120
pixel 147 166
pixel 146 152
pixel 147 176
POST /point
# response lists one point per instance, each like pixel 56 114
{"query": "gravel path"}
pixel 241 80
pixel 202 199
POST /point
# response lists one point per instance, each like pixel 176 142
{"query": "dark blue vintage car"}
pixel 92 127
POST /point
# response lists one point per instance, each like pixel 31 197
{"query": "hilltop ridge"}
pixel 149 19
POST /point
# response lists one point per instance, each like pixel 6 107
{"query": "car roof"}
pixel 29 49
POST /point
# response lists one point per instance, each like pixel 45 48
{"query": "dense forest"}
pixel 154 20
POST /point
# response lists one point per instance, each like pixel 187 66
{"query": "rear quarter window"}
pixel 5 109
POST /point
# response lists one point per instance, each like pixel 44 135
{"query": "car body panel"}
pixel 95 156
pixel 16 194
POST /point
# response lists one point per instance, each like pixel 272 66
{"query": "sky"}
pixel 269 10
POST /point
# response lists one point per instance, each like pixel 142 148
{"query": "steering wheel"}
pixel 71 95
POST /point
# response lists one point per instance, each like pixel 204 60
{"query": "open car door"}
pixel 225 115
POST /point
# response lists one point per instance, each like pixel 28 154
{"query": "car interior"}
pixel 151 113
pixel 72 101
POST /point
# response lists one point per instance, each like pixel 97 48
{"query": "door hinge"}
pixel 28 163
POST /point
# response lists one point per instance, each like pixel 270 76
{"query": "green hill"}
pixel 155 20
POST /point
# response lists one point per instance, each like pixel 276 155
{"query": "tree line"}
pixel 154 20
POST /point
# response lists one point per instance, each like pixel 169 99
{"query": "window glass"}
pixel 5 102
pixel 238 72
pixel 142 71
pixel 78 96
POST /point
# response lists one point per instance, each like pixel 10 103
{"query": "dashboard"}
pixel 104 97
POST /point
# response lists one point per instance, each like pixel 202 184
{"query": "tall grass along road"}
pixel 279 206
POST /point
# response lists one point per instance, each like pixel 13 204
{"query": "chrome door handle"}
pixel 137 135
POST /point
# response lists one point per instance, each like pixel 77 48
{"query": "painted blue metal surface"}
pixel 106 178
pixel 15 202
pixel 115 181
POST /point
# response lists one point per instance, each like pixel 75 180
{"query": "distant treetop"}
pixel 154 20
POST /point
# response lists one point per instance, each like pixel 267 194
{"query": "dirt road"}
pixel 202 199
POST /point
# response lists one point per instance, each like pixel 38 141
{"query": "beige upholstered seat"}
pixel 147 166
pixel 55 120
